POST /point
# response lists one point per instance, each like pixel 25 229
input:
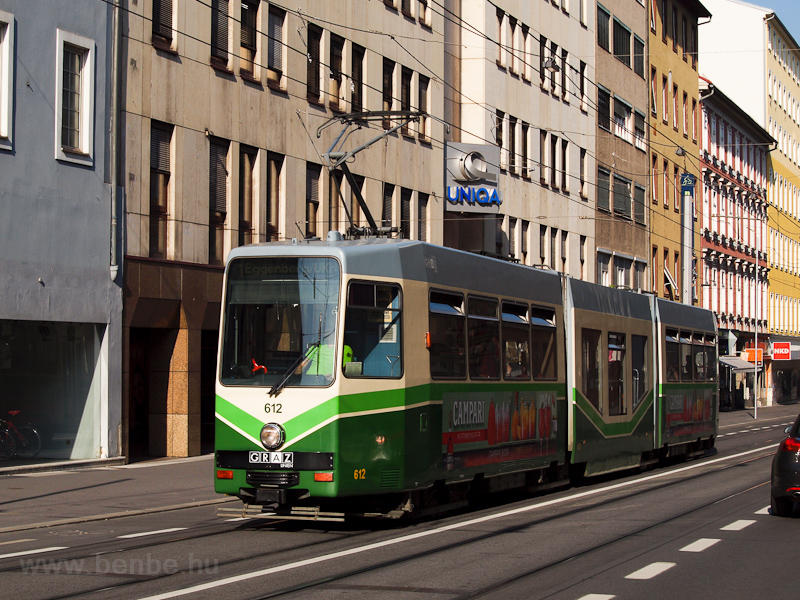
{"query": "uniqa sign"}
pixel 472 196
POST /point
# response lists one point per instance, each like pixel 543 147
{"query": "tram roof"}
pixel 676 314
pixel 420 261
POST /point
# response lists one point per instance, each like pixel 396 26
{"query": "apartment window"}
pixel 337 88
pixel 6 80
pixel 217 199
pixel 386 209
pixel 603 263
pixel 276 20
pixel 582 256
pixel 553 242
pixel 653 95
pixel 542 59
pixel 162 21
pixel 622 272
pixel 355 207
pixel 388 89
pixel 694 120
pixel 675 107
pixel 564 68
pixel 313 66
pixel 639 139
pixel 622 120
pixel 694 47
pixel 665 173
pixel 313 173
pixel 603 188
pixel 554 56
pixel 564 246
pixel 274 176
pixel 524 160
pixel 622 197
pixel 603 23
pixel 75 98
pixel 654 270
pixel 674 30
pixel 524 239
pixel 512 144
pixel 501 37
pixel 335 199
pixel 622 43
pixel 683 38
pixel 653 11
pixel 405 7
pixel 424 121
pixel 654 179
pixel 638 56
pixel 564 165
pixel 160 138
pixel 512 237
pixel 249 36
pixel 526 50
pixel 247 198
pixel 553 160
pixel 676 188
pixel 583 164
pixel 665 99
pixel 219 32
pixel 604 108
pixel 685 114
pixel 424 14
pixel 357 78
pixel 542 244
pixel 639 204
pixel 422 217
pixel 582 85
pixel 405 94
pixel 542 156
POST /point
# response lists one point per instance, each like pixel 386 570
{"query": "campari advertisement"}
pixel 483 428
pixel 689 412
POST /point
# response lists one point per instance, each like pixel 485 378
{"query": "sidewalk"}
pixel 83 494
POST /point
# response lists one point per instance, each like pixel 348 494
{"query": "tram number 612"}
pixel 273 408
pixel 360 474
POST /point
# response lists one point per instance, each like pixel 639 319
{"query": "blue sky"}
pixel 788 12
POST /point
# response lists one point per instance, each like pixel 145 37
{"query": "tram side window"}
pixel 372 331
pixel 616 374
pixel 543 343
pixel 516 333
pixel 483 341
pixel 590 361
pixel 639 363
pixel 699 358
pixel 673 356
pixel 687 370
pixel 447 345
pixel 711 358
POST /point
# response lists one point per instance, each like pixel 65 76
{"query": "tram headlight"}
pixel 272 436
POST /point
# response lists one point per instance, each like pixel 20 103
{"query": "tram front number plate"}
pixel 283 459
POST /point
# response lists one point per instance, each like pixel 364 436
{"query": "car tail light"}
pixel 790 445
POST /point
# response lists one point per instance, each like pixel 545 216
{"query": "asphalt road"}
pixel 699 528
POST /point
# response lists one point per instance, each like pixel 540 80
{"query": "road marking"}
pixel 738 525
pixel 136 535
pixel 37 551
pixel 468 523
pixel 237 519
pixel 650 571
pixel 17 541
pixel 700 545
pixel 763 511
pixel 597 597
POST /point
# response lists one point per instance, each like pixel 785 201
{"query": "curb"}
pixel 64 465
pixel 116 515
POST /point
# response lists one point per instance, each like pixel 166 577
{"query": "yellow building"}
pixel 674 152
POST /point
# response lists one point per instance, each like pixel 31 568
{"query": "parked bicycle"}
pixel 23 441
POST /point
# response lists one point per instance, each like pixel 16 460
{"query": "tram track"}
pixel 102 548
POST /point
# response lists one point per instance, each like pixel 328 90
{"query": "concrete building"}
pixel 60 291
pixel 732 213
pixel 222 104
pixel 674 147
pixel 519 77
pixel 765 49
pixel 622 237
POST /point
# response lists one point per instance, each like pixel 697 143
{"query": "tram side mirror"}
pixel 352 369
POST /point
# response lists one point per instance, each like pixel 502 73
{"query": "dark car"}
pixel 785 490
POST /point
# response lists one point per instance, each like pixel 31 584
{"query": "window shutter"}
pixel 159 148
pixel 622 197
pixel 219 29
pixel 386 212
pixel 162 18
pixel 423 217
pixel 638 202
pixel 217 175
pixel 275 42
pixel 249 12
pixel 312 183
pixel 312 70
pixel 603 188
pixel 405 213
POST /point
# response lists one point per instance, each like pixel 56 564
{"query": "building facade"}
pixel 674 147
pixel 222 105
pixel 766 50
pixel 621 221
pixel 519 78
pixel 733 218
pixel 60 288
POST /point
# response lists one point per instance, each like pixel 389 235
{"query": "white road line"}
pixel 737 525
pixel 763 511
pixel 700 545
pixel 37 551
pixel 422 534
pixel 135 535
pixel 17 541
pixel 650 571
pixel 237 519
pixel 597 597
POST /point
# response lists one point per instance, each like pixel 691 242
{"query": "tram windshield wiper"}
pixel 281 383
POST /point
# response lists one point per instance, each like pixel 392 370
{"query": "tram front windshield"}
pixel 279 324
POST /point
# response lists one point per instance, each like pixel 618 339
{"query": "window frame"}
pixel 7 45
pixel 84 153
